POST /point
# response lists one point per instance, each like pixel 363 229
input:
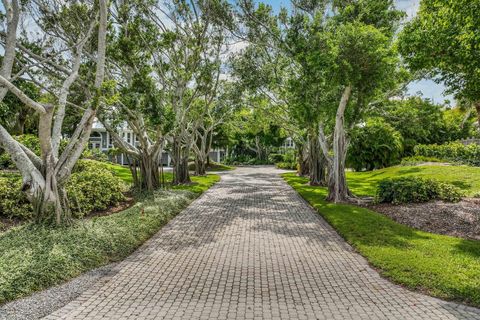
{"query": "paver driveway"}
pixel 249 248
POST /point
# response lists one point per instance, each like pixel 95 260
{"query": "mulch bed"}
pixel 460 219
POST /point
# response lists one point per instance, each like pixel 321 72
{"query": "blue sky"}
pixel 428 88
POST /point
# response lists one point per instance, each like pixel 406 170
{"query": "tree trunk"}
pixel 477 107
pixel 149 172
pixel 337 185
pixel 303 160
pixel 180 163
pixel 316 161
pixel 200 167
pixel 48 197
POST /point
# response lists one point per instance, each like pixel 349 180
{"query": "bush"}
pixel 415 189
pixel 29 140
pixel 286 165
pixel 376 145
pixel 93 187
pixel 95 154
pixel 454 151
pixel 13 202
pixel 275 157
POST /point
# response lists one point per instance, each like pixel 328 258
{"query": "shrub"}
pixel 29 140
pixel 286 165
pixel 13 202
pixel 95 154
pixel 93 187
pixel 454 151
pixel 290 156
pixel 376 145
pixel 275 157
pixel 415 189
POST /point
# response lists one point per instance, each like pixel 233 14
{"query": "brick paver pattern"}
pixel 251 248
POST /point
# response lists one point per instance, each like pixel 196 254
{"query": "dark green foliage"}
pixel 442 42
pixel 28 140
pixel 275 157
pixel 420 121
pixel 13 202
pixel 376 145
pixel 455 152
pixel 416 189
pixel 93 187
pixel 246 160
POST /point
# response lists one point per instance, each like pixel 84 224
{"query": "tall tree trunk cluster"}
pixel 180 155
pixel 317 170
pixel 44 177
pixel 144 156
pixel 337 183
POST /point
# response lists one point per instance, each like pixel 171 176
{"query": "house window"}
pixel 128 137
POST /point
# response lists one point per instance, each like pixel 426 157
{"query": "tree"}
pixel 270 67
pixel 212 111
pixel 375 145
pixel 361 66
pixel 442 42
pixel 138 102
pixel 186 67
pixel 70 27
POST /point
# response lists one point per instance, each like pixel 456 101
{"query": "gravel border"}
pixel 44 302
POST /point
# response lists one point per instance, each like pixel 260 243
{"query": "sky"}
pixel 428 88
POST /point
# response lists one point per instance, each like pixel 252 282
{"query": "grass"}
pixel 443 266
pixel 465 177
pixel 34 257
pixel 124 173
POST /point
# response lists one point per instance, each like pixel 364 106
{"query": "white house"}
pixel 100 139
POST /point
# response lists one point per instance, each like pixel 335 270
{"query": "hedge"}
pixel 454 151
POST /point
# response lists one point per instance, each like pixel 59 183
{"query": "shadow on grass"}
pixel 461 184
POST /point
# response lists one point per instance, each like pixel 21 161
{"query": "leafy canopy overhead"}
pixel 444 41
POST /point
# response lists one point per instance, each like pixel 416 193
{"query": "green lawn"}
pixel 465 177
pixel 124 173
pixel 443 266
pixel 35 257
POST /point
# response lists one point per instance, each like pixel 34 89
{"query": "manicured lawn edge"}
pixel 442 266
pixel 36 257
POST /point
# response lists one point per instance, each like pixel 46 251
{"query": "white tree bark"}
pixel 44 177
pixel 337 184
pixel 12 9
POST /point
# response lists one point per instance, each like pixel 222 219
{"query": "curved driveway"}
pixel 251 248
